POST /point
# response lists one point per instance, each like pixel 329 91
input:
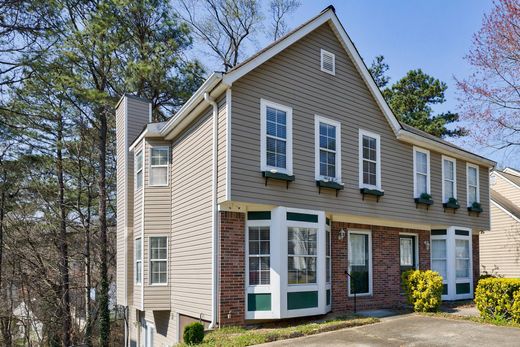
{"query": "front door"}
pixel 407 256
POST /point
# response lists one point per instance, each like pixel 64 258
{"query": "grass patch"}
pixel 239 337
pixel 497 322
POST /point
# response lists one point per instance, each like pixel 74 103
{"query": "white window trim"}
pixel 317 120
pixel 150 260
pixel 140 280
pixel 263 143
pixel 369 233
pixel 333 56
pixel 362 133
pixel 428 178
pixel 258 224
pixel 454 161
pixel 468 165
pixel 136 171
pixel 154 166
pixel 416 248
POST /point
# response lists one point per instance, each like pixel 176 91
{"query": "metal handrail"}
pixel 353 287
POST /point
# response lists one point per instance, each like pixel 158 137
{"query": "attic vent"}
pixel 328 62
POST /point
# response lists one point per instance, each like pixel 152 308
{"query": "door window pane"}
pixel 406 251
pixel 359 265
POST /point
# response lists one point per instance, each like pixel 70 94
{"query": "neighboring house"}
pixel 274 181
pixel 500 247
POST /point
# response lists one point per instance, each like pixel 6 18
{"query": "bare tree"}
pixel 225 26
pixel 279 10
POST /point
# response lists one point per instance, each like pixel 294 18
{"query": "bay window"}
pixel 159 166
pixel 259 255
pixel 276 137
pixel 158 260
pixel 302 255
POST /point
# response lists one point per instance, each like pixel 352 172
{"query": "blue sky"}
pixel 433 35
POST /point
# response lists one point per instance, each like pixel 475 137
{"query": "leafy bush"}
pixel 193 333
pixel 423 289
pixel 499 298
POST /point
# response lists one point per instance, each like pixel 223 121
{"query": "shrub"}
pixel 423 289
pixel 498 298
pixel 193 333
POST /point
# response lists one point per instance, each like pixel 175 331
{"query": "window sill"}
pixel 476 210
pixel 158 285
pixel 278 176
pixel 421 201
pixel 451 205
pixel 321 183
pixel 372 192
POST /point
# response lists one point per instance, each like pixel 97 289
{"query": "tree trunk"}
pixel 5 319
pixel 64 252
pixel 88 278
pixel 104 314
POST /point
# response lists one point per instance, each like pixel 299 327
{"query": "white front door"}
pixel 149 334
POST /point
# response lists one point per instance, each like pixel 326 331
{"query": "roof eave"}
pixel 409 137
pixel 211 82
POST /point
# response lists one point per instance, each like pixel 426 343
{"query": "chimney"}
pixel 132 115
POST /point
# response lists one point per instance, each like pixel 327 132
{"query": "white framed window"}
pixel 159 159
pixel 138 252
pixel 327 144
pixel 473 183
pixel 360 262
pixel 369 160
pixel 259 255
pixel 139 170
pixel 328 62
pixel 439 254
pixel 302 255
pixel 462 259
pixel 449 178
pixel 158 260
pixel 276 137
pixel 421 171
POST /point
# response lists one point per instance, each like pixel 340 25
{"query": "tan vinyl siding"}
pixel 121 192
pixel 165 326
pixel 508 189
pixel 157 222
pixel 191 219
pixel 222 149
pixel 293 78
pixel 500 247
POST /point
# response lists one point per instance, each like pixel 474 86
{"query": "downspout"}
pixel 214 221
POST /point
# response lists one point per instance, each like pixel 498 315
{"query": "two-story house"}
pixel 500 246
pixel 283 188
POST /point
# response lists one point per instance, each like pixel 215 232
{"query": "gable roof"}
pixel 506 204
pixel 218 82
pixel 513 178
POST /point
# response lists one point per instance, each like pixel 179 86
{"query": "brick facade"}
pixel 476 260
pixel 386 290
pixel 231 268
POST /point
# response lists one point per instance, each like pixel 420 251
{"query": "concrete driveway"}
pixel 413 330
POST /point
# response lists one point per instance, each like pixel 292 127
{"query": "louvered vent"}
pixel 328 63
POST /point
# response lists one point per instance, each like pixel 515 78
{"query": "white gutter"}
pixel 214 215
pixel 195 99
pixel 418 140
